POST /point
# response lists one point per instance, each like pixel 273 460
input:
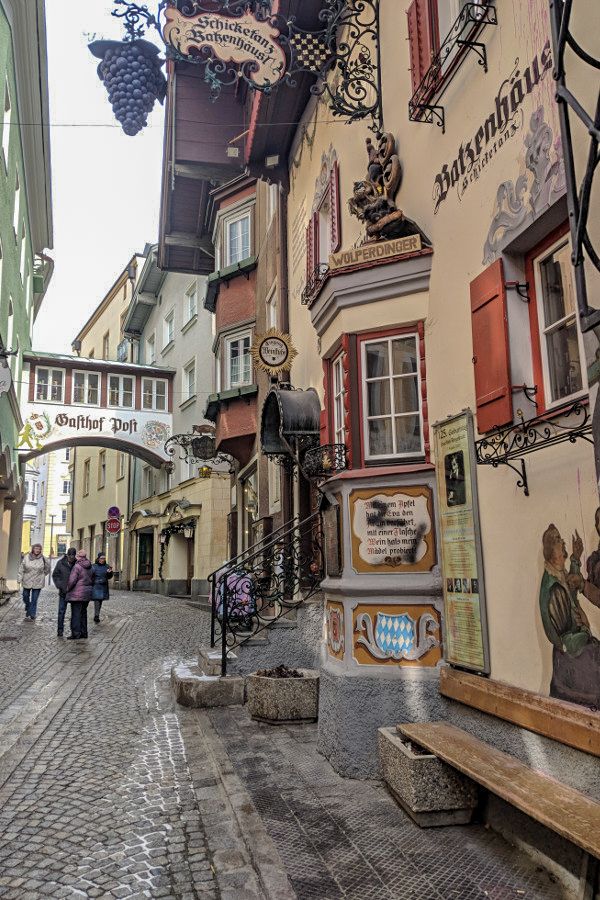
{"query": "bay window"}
pixel 237 239
pixel 120 391
pixel 86 388
pixel 339 431
pixel 391 397
pixel 50 384
pixel 238 360
pixel 561 343
pixel 154 394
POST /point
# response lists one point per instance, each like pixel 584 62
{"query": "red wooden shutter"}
pixel 491 356
pixel 334 200
pixel 312 245
pixel 419 39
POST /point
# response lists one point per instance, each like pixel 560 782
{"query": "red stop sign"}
pixel 113 526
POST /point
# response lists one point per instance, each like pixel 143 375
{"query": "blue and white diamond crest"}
pixel 395 635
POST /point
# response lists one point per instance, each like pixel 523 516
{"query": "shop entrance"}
pixel 145 566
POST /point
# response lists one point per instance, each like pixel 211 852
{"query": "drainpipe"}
pixel 288 484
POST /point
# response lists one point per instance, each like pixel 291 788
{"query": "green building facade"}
pixel 25 236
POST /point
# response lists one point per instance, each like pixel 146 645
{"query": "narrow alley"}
pixel 110 790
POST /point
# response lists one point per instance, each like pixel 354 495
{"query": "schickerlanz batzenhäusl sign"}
pixel 240 40
pixel 501 124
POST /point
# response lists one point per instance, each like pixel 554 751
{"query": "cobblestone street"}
pixel 109 790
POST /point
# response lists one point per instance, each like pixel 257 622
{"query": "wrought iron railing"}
pixel 265 583
pixel 508 446
pixel 325 461
pixel 314 284
pixel 471 21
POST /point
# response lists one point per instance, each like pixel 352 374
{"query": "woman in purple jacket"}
pixel 79 594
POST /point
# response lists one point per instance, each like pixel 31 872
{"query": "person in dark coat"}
pixel 102 575
pixel 79 594
pixel 60 577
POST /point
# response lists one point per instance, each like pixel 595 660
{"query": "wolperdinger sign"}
pixel 242 40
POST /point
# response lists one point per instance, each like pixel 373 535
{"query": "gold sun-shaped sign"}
pixel 273 351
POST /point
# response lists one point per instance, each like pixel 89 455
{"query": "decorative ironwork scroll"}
pixel 424 105
pixel 265 583
pixel 508 446
pixel 200 446
pixel 578 196
pixel 344 54
pixel 325 461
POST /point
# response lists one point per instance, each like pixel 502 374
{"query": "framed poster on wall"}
pixel 465 617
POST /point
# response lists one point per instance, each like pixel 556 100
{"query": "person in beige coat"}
pixel 32 576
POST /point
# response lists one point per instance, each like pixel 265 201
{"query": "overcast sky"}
pixel 105 185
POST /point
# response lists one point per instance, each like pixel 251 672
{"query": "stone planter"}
pixel 429 790
pixel 281 700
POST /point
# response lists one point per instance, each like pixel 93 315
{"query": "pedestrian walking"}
pixel 102 575
pixel 79 594
pixel 32 574
pixel 60 577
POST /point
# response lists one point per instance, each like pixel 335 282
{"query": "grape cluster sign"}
pixel 240 40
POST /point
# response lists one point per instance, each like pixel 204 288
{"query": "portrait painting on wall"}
pixel 564 593
pixel 454 473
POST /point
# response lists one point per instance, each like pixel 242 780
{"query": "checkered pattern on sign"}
pixel 310 52
pixel 395 634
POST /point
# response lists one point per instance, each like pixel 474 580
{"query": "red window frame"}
pixel 417 329
pixel 534 321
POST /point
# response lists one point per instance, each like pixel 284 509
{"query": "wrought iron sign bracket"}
pixel 507 446
pixel 199 447
pixel 344 54
pixel 530 392
pixel 472 20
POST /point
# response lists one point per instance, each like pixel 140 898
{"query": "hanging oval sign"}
pixel 273 352
pixel 241 40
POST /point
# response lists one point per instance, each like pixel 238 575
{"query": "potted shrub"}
pixel 282 695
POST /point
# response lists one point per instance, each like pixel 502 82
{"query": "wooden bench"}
pixel 564 810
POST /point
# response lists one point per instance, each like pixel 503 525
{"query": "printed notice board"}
pixel 462 564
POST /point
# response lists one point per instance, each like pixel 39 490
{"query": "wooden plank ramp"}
pixel 557 806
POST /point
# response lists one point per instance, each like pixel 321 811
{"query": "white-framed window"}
pixel 237 238
pixel 272 201
pixel 169 329
pixel 391 397
pixel 189 380
pixel 66 487
pixel 238 360
pixel 562 349
pixel 7 121
pixel 106 346
pixel 154 394
pixel 67 454
pixel 147 481
pixel 121 390
pixel 86 477
pixel 63 515
pixel 120 465
pixel 190 303
pixel 324 232
pixel 86 388
pixel 17 206
pixel 337 372
pixel 102 469
pixel 151 349
pixel 50 384
pixel 272 312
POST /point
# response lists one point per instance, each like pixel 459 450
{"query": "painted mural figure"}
pixel 576 652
